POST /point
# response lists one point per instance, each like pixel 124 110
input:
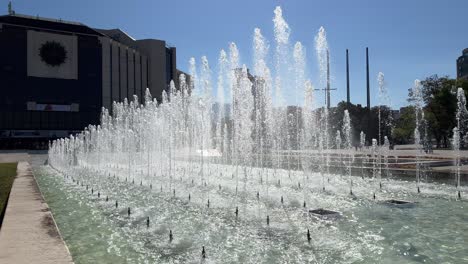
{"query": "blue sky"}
pixel 408 39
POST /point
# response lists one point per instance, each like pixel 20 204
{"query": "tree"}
pixel 362 120
pixel 439 95
pixel 404 126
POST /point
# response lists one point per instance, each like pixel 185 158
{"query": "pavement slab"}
pixel 29 233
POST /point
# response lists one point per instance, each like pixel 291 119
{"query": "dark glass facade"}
pixel 17 88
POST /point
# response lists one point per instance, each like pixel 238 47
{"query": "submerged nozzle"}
pixel 308 236
pixel 237 211
pixel 203 252
pixel 305 205
pixel 282 201
pixel 189 197
pixel 170 236
pixel 98 195
pixel 268 220
pixel 419 191
pixel 459 195
pixel 128 211
pixel 116 204
pixel 208 203
pixel 107 198
pixel 258 195
pixel 374 196
pixel 147 222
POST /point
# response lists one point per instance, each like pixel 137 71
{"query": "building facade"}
pixel 55 76
pixel 462 65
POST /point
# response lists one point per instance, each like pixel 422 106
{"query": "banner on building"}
pixel 52 55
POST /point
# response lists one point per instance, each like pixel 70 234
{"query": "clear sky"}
pixel 407 39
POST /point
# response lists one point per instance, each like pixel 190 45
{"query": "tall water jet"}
pixel 348 146
pixel 223 64
pixel 262 103
pixel 308 133
pixel 338 141
pixel 321 48
pixel 461 116
pixel 386 150
pixel 282 61
pixel 376 176
pixel 456 148
pixel 243 105
pixel 417 102
pixel 364 157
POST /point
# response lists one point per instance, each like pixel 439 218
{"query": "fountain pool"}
pixel 367 231
pixel 237 176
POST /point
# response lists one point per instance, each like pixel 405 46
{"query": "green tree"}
pixel 439 95
pixel 404 126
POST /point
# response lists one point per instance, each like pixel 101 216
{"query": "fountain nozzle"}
pixel 170 236
pixel 116 204
pixel 308 236
pixel 268 220
pixel 459 195
pixel 419 191
pixel 203 252
pixel 237 211
pixel 128 211
pixel 147 222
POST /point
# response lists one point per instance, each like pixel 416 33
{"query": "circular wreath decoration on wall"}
pixel 53 53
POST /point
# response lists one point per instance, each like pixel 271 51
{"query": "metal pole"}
pixel 347 78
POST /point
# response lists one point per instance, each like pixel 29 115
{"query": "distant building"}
pixel 462 65
pixel 55 76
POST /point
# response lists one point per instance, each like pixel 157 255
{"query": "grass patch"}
pixel 7 175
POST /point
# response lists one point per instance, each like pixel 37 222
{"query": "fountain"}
pixel 239 174
pixel 419 116
pixel 456 141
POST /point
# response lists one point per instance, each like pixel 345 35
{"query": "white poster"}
pixel 52 55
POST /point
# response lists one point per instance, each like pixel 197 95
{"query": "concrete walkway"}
pixel 29 233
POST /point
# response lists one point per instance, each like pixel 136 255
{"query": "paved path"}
pixel 29 233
